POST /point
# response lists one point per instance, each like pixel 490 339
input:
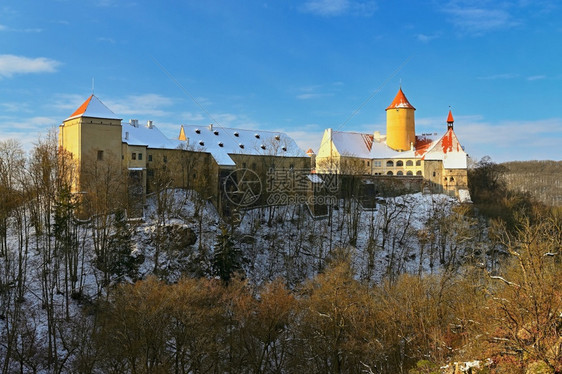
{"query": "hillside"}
pixel 542 179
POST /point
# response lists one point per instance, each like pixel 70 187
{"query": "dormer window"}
pixel 257 136
pixel 220 144
pixel 284 149
pixel 201 143
pixel 241 146
pixel 277 137
pixel 236 134
pixel 262 146
pixel 216 132
pixel 197 131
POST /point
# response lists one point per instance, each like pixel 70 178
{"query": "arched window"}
pixel 418 163
pixel 390 173
pixel 409 163
pixel 399 163
pixel 451 179
pixel 409 172
pixel 400 173
pixel 389 164
pixel 418 172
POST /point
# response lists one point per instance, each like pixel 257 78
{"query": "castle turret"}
pixel 450 120
pixel 400 123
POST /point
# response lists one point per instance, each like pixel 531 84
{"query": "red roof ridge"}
pixel 400 101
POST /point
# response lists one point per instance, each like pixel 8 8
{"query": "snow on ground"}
pixel 279 241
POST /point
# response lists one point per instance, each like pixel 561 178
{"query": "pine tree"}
pixel 227 259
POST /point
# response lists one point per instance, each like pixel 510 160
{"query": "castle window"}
pixel 390 173
pixel 253 165
pixel 451 179
pixel 399 163
pixel 409 163
pixel 244 165
pixel 377 164
pixel 389 164
pixel 133 156
pixel 433 173
pixel 409 173
pixel 140 156
pixel 150 158
pixel 291 167
pixel 418 172
pixel 100 155
pixel 400 173
pixel 368 163
pixel 418 163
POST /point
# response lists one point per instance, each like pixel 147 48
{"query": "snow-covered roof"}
pixel 147 135
pixel 428 147
pixel 449 150
pixel 93 108
pixel 368 146
pixel 221 142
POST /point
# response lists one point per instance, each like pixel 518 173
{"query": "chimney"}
pixel 134 122
pixel 149 124
pixel 211 127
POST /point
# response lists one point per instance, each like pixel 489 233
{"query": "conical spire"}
pixel 450 117
pixel 400 101
pixel 182 134
pixel 450 120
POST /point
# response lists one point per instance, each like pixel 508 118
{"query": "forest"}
pixel 540 178
pixel 415 284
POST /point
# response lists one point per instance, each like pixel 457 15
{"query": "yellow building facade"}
pixel 439 162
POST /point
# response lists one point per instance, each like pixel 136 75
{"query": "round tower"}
pixel 400 123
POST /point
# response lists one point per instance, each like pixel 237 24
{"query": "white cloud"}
pixel 426 38
pixel 11 65
pixel 499 76
pixel 478 17
pixel 536 77
pixel 510 140
pixel 328 8
pixel 136 105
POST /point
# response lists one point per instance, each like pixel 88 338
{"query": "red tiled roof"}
pixel 400 101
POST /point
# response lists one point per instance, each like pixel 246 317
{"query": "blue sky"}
pixel 295 66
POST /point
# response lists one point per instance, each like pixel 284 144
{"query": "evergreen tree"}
pixel 227 259
pixel 120 260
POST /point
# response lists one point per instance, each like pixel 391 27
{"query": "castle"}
pixel 142 160
pixel 439 162
pixel 145 160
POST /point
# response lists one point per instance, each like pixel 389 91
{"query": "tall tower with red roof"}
pixel 400 123
pixel 92 134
